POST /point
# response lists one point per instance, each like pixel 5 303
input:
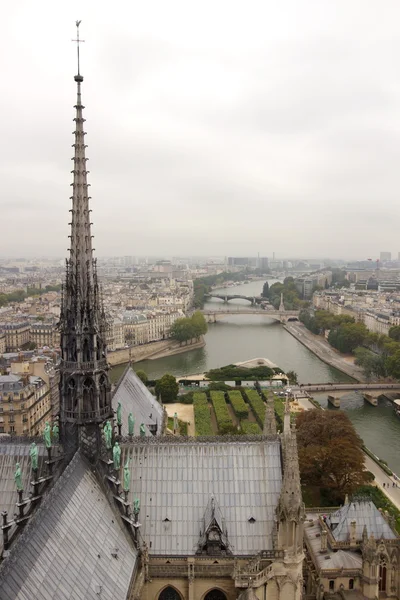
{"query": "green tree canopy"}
pixel 293 379
pixel 187 328
pixel 142 376
pixel 394 333
pixel 330 453
pixel 265 290
pixel 167 388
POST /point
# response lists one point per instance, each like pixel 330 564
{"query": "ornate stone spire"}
pixel 286 417
pixel 269 419
pixel 84 385
pixel 290 502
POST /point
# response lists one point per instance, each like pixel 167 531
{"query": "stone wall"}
pixel 150 351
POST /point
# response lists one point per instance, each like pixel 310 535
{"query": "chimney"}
pixel 353 530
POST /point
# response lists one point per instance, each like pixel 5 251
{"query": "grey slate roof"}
pixel 10 454
pixel 363 512
pixel 176 482
pixel 65 552
pixel 136 398
pixel 331 559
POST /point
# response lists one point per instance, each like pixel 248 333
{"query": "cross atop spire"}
pixel 78 78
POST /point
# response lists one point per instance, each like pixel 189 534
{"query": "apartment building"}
pixel 45 334
pixel 2 342
pixel 24 404
pixel 17 334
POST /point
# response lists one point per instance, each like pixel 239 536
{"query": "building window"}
pixel 351 584
pixel 331 585
pixel 12 428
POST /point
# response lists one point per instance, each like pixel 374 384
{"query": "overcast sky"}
pixel 216 127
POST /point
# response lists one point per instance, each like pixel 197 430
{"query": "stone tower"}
pixel 85 391
pixel 290 517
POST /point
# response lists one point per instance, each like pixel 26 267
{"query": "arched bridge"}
pixel 278 315
pixel 226 297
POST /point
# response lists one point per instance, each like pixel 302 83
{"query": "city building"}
pixel 216 519
pixel 24 404
pixel 351 552
pixel 17 335
pixel 385 256
pixel 44 334
pixel 3 344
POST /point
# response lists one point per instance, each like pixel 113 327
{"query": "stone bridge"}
pixel 278 315
pixel 227 297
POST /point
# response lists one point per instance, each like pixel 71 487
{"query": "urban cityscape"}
pixel 207 426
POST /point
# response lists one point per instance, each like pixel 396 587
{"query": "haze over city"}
pixel 214 128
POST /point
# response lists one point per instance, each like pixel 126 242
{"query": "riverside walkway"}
pixel 320 347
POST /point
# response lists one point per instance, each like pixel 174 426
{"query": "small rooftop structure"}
pixel 364 512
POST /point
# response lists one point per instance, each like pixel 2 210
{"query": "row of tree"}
pixel 291 296
pixel 378 355
pixel 188 328
pixel 20 295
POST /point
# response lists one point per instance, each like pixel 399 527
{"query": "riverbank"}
pixel 151 351
pixel 320 347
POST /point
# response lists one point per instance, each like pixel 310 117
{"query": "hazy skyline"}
pixel 223 128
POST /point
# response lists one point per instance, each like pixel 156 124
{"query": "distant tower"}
pixel 282 304
pixel 85 391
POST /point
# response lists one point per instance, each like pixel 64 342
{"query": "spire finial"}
pixel 78 41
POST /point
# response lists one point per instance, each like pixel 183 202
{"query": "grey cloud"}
pixel 218 131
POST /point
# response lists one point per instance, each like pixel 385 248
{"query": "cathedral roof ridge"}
pixel 215 440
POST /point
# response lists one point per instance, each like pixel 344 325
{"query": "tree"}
pixel 199 324
pixel 394 333
pixel 167 388
pixel 142 376
pixel 265 290
pixel 393 364
pixel 330 453
pixel 293 380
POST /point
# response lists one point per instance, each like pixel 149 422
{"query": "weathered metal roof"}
pixel 363 512
pixel 74 547
pixel 329 559
pixel 175 482
pixel 136 398
pixel 11 454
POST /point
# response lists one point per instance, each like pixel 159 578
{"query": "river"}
pixel 237 338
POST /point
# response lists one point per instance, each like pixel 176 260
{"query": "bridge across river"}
pixel 279 315
pixel 227 297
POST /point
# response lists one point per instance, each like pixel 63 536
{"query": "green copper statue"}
pixel 131 424
pixel 136 506
pixel 142 430
pixel 119 414
pixel 18 477
pixel 117 456
pixel 47 435
pixel 127 476
pixel 33 453
pixel 56 433
pixel 176 423
pixel 108 434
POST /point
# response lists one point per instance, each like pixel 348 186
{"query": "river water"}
pixel 237 338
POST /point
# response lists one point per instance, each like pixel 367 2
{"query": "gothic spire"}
pixel 290 502
pixel 84 384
